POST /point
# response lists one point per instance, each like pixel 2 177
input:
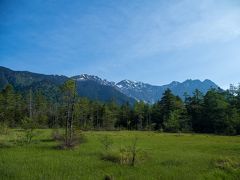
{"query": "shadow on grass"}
pixel 5 145
pixel 19 130
pixel 47 140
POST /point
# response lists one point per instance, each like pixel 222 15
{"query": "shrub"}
pixel 132 149
pixel 125 156
pixel 29 126
pixel 29 134
pixel 24 138
pixel 28 123
pixel 77 138
pixel 226 164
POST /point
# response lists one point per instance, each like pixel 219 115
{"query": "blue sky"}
pixel 155 41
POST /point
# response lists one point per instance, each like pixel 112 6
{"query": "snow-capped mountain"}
pixel 138 90
pixel 151 93
pixel 86 77
pixel 127 84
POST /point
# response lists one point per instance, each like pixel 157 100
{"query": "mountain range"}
pixel 150 93
pixel 95 88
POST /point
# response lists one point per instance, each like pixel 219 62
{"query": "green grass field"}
pixel 163 156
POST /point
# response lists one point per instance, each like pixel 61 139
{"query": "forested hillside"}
pixel 95 88
pixel 22 81
pixel 215 112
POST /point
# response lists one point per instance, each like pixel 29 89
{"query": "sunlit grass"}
pixel 167 156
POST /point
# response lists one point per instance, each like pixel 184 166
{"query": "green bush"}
pixel 28 123
pixel 29 126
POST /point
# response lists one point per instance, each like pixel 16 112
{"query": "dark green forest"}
pixel 217 111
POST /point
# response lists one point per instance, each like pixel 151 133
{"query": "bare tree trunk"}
pixel 98 127
pixel 30 104
pixel 134 151
pixel 56 116
pixel 69 95
pixel 67 124
pixel 71 122
pixel 72 113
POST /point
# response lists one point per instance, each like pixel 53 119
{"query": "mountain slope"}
pixel 25 78
pixel 49 85
pixel 22 81
pixel 96 88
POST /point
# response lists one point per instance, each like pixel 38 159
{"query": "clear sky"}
pixel 154 41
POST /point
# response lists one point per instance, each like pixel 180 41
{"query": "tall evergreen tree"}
pixel 215 108
pixel 195 109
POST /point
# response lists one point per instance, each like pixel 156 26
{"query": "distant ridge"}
pixel 95 88
pixel 151 93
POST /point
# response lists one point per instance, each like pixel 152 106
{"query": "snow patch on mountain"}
pixel 86 77
pixel 151 93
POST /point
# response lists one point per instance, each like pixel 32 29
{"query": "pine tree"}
pixel 41 110
pixel 215 108
pixel 171 109
pixel 195 110
pixel 9 104
pixel 139 115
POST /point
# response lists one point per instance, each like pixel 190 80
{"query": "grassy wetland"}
pixel 158 156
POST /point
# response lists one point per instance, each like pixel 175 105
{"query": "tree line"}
pixel 217 111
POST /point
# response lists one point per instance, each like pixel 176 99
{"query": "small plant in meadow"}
pixel 179 133
pixel 29 129
pixel 160 130
pixel 226 164
pixel 126 156
pixel 29 134
pixel 129 154
pixel 108 155
pixel 133 151
pixel 4 128
pixel 106 142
